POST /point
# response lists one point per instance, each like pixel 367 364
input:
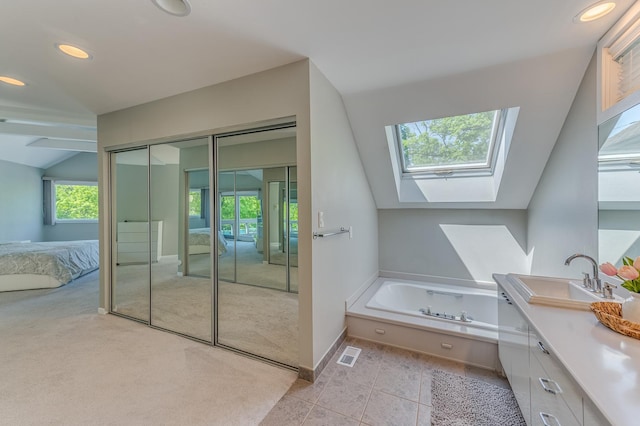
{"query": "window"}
pixel 444 146
pixel 195 203
pixel 75 201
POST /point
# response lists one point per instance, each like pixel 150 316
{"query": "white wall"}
pixel 543 88
pixel 165 203
pixel 21 203
pixel 460 244
pixel 563 213
pixel 340 190
pixel 82 166
pixel 278 94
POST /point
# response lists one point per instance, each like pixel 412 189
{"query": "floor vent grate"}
pixel 349 356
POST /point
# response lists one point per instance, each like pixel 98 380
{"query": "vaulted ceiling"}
pixel 364 47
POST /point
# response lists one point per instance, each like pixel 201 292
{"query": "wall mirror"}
pixel 618 183
pixel 256 200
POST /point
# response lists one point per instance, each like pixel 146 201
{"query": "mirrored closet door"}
pixel 162 266
pixel 181 287
pixel 131 254
pixel 214 259
pixel 257 303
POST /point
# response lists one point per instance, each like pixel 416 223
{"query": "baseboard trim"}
pixel 311 375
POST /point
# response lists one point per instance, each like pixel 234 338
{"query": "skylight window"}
pixel 451 145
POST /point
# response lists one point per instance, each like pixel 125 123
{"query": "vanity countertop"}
pixel 604 363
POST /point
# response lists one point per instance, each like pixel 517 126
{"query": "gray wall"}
pixel 21 202
pixel 82 166
pixel 165 203
pixel 563 213
pixel 339 189
pixel 275 95
pixel 461 244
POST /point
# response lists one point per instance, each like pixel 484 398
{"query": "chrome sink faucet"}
pixel 594 284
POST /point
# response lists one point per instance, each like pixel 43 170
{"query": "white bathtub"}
pixel 388 311
pixel 437 301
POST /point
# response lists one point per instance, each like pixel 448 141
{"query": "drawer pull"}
pixel 550 386
pixel 546 418
pixel 543 349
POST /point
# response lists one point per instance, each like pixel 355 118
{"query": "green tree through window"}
pixel 449 141
pixel 76 202
pixel 195 202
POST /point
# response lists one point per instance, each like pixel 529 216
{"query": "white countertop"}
pixel 604 363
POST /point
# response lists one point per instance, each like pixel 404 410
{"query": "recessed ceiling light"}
pixel 595 11
pixel 73 51
pixel 174 7
pixel 12 81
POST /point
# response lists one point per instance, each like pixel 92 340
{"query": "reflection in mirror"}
pixel 198 248
pixel 180 285
pixel 293 229
pixel 618 180
pixel 130 267
pixel 257 303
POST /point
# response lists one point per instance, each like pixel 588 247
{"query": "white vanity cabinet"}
pixel 513 350
pixel 555 398
pixel 545 391
pixel 592 416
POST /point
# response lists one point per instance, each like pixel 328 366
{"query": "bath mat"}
pixel 464 401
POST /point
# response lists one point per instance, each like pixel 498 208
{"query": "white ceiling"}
pixel 141 53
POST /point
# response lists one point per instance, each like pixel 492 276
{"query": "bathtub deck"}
pixel 446 339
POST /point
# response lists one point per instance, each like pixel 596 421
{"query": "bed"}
pixel 200 241
pixel 27 265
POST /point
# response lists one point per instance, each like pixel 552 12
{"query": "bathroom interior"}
pixel 341 223
pixel 280 218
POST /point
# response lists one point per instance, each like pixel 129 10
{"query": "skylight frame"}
pixel 486 168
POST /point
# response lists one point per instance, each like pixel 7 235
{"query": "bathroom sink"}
pixel 561 292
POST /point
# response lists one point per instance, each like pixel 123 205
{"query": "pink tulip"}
pixel 609 269
pixel 628 273
pixel 636 263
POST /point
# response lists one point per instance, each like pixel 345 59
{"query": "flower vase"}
pixel 631 308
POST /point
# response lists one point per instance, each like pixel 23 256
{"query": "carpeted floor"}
pixel 64 364
pixel 261 321
pixel 466 401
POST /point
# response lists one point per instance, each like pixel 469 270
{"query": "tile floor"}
pixel 386 386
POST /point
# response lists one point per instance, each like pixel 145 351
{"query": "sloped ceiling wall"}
pixel 543 88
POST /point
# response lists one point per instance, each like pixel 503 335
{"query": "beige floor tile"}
pixel 447 365
pixel 424 415
pixel 345 397
pixel 399 381
pixel 288 411
pixel 401 357
pixel 363 372
pixel 388 410
pixel 320 416
pixel 307 391
pixel 425 388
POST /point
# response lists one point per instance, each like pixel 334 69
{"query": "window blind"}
pixel 629 71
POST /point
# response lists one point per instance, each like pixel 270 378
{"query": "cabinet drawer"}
pixel 571 392
pixel 133 226
pixel 548 406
